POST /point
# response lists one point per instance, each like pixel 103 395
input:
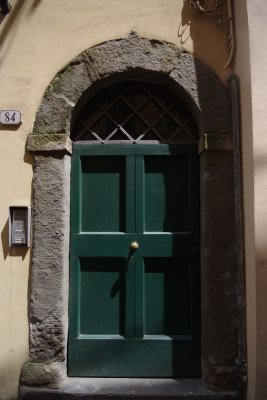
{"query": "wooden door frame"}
pixel 49 142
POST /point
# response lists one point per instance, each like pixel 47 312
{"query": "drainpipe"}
pixel 5 7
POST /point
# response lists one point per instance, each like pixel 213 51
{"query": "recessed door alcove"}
pixel 135 179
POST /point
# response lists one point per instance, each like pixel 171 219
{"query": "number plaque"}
pixel 10 117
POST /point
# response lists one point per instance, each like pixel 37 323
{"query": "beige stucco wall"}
pixel 36 40
pixel 251 66
pixel 242 69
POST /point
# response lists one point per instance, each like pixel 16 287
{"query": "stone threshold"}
pixel 125 388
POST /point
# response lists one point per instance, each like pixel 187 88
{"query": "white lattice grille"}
pixel 135 112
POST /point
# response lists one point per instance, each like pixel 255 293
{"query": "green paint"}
pixel 101 296
pixel 169 278
pixel 134 313
pixel 103 194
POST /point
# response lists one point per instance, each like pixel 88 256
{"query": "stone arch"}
pixel 210 103
pixel 199 87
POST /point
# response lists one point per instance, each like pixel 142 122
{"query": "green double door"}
pixel 134 279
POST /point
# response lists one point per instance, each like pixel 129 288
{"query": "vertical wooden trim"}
pixel 130 193
pixel 139 262
pixel 130 262
pixel 129 297
pixel 140 205
pixel 74 326
pixel 139 298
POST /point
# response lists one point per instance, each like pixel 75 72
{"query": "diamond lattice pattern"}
pixel 135 112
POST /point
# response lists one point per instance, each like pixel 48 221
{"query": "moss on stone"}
pixel 40 374
pixel 48 142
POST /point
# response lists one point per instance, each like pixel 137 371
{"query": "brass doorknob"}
pixel 134 246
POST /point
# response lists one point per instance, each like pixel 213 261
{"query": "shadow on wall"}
pixel 209 37
pixel 210 44
pixel 219 340
pixel 10 128
pixel 8 34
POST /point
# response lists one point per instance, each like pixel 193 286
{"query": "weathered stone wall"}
pixel 218 269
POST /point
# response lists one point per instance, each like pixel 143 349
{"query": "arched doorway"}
pixel 135 252
pixel 209 101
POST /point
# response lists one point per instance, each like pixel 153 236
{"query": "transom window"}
pixel 135 112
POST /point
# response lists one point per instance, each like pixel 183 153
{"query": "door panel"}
pixel 167 194
pixel 134 313
pixel 102 212
pixel 169 312
pixel 102 298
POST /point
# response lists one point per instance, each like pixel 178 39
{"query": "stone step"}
pixel 119 389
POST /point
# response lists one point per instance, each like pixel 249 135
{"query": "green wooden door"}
pixel 134 313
